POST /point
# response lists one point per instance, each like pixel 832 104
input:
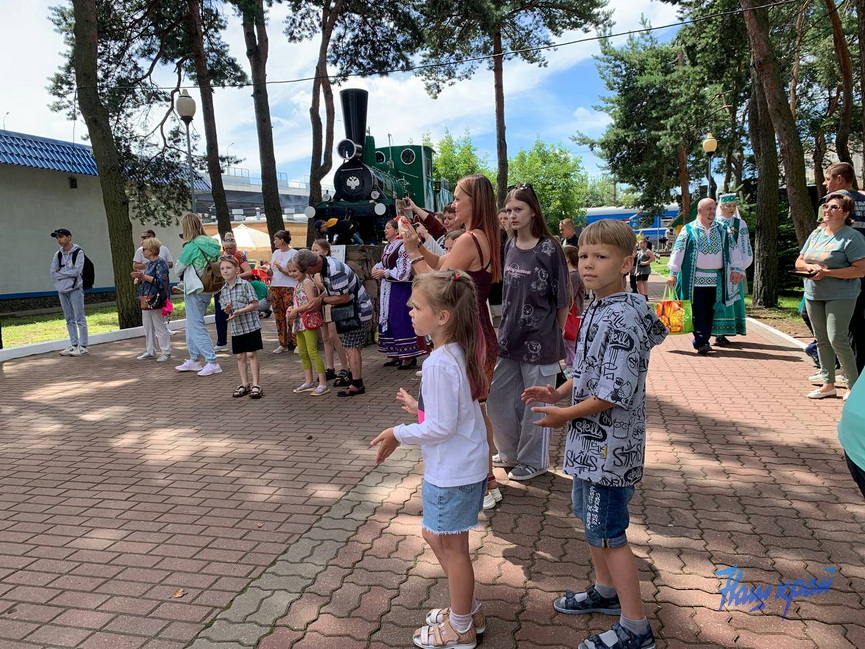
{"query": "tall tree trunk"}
pixel 765 289
pixel 684 182
pixel 818 158
pixel 792 153
pixel 321 160
pixel 214 168
pixel 257 45
pixel 845 65
pixel 111 179
pixel 501 142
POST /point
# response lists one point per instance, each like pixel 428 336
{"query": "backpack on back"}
pixel 88 273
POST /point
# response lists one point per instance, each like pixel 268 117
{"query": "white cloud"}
pixel 589 121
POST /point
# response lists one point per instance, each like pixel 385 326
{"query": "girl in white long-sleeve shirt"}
pixel 452 436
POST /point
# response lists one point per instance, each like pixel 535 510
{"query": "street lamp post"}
pixel 710 145
pixel 185 107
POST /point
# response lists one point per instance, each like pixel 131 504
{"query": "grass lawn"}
pixel 25 330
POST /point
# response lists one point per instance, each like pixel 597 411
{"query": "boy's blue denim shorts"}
pixel 604 512
pixel 452 510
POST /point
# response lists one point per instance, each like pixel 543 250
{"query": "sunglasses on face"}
pixel 831 208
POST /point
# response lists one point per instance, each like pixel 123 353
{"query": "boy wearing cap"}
pixel 67 269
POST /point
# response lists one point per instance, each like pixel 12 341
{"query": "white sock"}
pixel 461 623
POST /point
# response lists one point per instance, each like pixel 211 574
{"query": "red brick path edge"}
pixel 143 508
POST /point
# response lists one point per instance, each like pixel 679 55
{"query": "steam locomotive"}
pixel 370 180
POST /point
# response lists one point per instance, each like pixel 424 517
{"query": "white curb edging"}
pixel 786 337
pixel 94 339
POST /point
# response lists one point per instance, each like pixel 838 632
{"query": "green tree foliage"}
pixel 458 31
pixel 558 178
pixel 138 40
pixel 602 191
pixel 153 157
pixel 657 103
pixel 456 157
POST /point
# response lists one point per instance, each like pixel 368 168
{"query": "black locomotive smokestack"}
pixel 354 102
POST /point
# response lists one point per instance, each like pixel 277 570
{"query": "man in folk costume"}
pixel 706 268
pixel 730 320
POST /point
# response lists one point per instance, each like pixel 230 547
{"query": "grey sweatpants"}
pixel 72 304
pixel 516 437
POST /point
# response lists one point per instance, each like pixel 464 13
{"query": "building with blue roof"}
pixel 47 184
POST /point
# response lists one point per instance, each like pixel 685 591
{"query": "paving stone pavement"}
pixel 144 508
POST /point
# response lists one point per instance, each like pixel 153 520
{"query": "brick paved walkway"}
pixel 142 508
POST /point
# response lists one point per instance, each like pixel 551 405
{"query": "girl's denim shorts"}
pixel 452 510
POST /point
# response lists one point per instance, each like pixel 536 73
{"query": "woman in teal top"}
pixel 851 434
pixel 834 254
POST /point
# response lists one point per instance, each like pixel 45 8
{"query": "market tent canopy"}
pixel 247 238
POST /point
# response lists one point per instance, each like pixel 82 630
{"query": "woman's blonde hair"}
pixel 324 244
pixel 454 291
pixel 152 244
pixel 191 227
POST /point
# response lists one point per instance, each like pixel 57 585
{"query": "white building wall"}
pixel 35 202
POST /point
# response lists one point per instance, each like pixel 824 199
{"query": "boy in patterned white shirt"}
pixel 606 439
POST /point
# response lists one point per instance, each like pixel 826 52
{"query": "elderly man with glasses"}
pixel 139 261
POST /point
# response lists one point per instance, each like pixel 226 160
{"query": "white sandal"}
pixel 444 636
pixel 439 615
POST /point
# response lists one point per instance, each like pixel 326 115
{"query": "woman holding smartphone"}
pixel 478 253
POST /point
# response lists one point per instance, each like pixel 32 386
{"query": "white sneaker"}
pixel 220 348
pixel 280 350
pixel 82 350
pixel 297 350
pixel 210 368
pixel 68 351
pixel 163 357
pixel 146 356
pixel 78 351
pixel 492 497
pixel 189 365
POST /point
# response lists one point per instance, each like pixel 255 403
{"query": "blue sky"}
pixel 551 103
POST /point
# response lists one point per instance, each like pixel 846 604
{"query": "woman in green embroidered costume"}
pixel 730 320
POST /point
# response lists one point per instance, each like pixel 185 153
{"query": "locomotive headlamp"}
pixel 375 194
pixel 348 149
pixel 380 209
